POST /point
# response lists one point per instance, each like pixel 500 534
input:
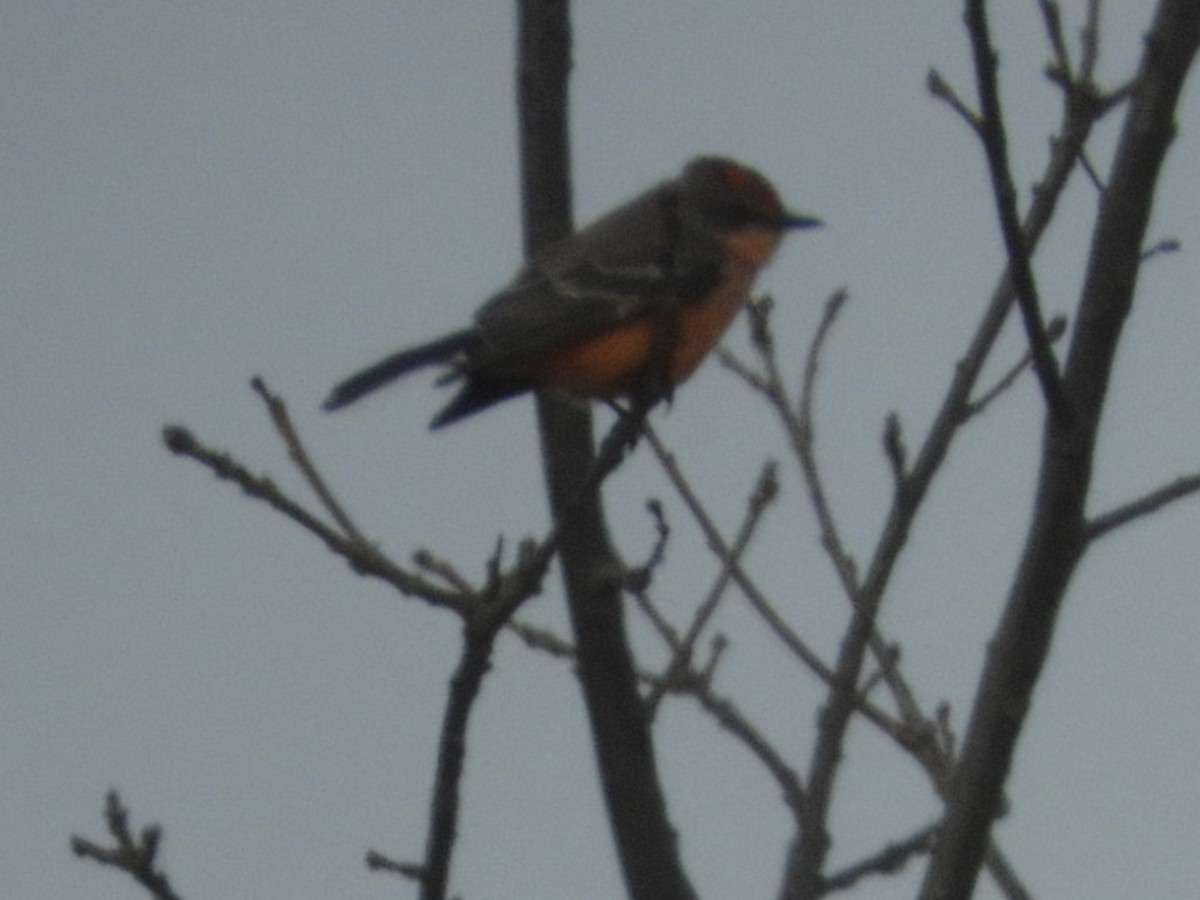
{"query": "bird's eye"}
pixel 738 215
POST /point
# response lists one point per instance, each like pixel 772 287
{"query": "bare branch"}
pixel 1078 118
pixel 995 145
pixel 1062 58
pixel 803 875
pixel 731 719
pixel 894 449
pixel 364 558
pixel 645 838
pixel 891 858
pixel 135 856
pixel 723 551
pixel 666 631
pixel 473 664
pixel 1178 489
pixel 291 438
pixel 1058 534
pixel 484 612
pixel 698 686
pixel 541 639
pixel 766 489
pixel 801 431
pixel 1056 329
pixel 1166 245
pixel 377 862
pixel 637 580
pixel 1004 875
pixel 941 89
pixel 1089 40
pixel 444 569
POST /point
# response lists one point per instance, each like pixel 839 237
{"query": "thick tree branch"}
pixel 645 840
pixel 803 879
pixel 1058 533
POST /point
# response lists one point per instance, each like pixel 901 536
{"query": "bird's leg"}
pixel 628 427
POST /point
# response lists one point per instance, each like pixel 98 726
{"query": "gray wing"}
pixel 624 266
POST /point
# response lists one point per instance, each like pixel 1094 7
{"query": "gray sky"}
pixel 196 193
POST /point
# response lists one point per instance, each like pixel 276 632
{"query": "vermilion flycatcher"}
pixel 644 292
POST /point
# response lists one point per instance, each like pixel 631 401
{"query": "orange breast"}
pixel 609 364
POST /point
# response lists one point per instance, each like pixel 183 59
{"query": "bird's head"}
pixel 732 196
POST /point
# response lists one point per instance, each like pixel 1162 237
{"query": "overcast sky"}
pixel 192 194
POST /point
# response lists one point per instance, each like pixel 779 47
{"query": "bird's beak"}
pixel 796 220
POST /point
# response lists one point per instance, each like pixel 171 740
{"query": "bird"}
pixel 632 303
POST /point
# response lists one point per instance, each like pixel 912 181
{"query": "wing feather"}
pixel 612 273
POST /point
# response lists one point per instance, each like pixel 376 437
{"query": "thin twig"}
pixel 666 631
pixel 995 145
pixel 136 856
pixel 722 550
pixel 1056 329
pixel 906 735
pixel 1166 245
pixel 444 569
pixel 1052 17
pixel 1004 875
pixel 765 490
pixel 940 88
pixel 377 862
pixel 729 717
pixel 801 430
pixel 364 558
pixel 291 438
pixel 798 422
pixel 1182 487
pixel 1089 41
pixel 891 858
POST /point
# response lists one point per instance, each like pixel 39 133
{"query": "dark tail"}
pixel 478 393
pixel 397 364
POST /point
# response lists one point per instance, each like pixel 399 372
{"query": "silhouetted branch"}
pixel 802 878
pixel 135 856
pixel 697 685
pixel 1178 489
pixel 1058 534
pixel 765 490
pixel 291 438
pixel 939 87
pixel 729 717
pixel 592 572
pixel 1054 332
pixel 473 664
pixel 995 144
pixel 1054 32
pixel 377 862
pixel 891 858
pixel 723 551
pixel 364 558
